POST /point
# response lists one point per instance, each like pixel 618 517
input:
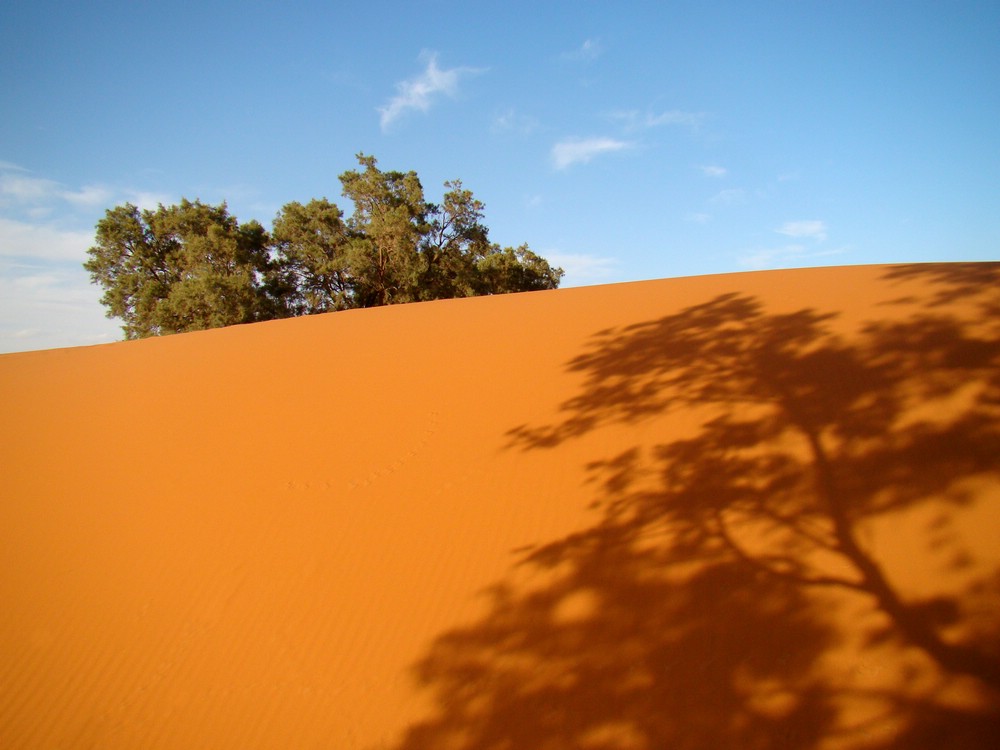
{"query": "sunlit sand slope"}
pixel 758 510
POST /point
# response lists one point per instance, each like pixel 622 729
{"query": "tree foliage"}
pixel 180 268
pixel 193 266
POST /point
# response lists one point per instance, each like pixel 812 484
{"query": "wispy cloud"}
pixel 699 218
pixel 793 253
pixel 633 120
pixel 37 197
pixel 20 239
pixel 46 227
pixel 711 170
pixel 582 150
pixel 46 306
pixel 89 196
pixel 23 196
pixel 582 269
pixel 784 256
pixel 420 92
pixel 512 121
pixel 147 200
pixel 591 49
pixel 810 228
pixel 730 197
pixel 17 187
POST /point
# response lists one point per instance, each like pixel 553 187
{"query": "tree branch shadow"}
pixel 752 584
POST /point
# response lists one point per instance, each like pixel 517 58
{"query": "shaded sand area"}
pixel 758 510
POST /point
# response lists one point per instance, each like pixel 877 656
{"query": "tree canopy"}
pixel 194 266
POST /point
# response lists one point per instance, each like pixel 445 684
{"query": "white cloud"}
pixel 18 189
pixel 148 201
pixel 794 253
pixel 673 117
pixel 23 189
pixel 46 227
pixel 50 305
pixel 766 257
pixel 711 170
pixel 582 269
pixel 582 150
pixel 512 121
pixel 38 197
pixel 46 299
pixel 88 196
pixel 420 92
pixel 20 239
pixel 699 218
pixel 730 197
pixel 784 256
pixel 633 119
pixel 591 49
pixel 811 229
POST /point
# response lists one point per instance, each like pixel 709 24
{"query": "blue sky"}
pixel 623 141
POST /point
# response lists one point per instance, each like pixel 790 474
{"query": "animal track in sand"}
pixel 331 484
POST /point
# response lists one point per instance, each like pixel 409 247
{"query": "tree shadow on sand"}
pixel 793 571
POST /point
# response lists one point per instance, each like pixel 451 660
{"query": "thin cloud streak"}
pixel 510 120
pixel 582 269
pixel 147 201
pixel 20 239
pixel 89 196
pixel 421 92
pixel 711 170
pixel 591 49
pixel 582 150
pixel 46 307
pixel 46 227
pixel 39 196
pixel 633 120
pixel 810 228
pixel 785 256
pixel 21 188
pixel 730 197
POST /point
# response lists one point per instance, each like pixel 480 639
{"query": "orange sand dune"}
pixel 755 510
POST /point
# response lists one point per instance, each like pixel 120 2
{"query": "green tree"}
pixel 193 266
pixel 454 241
pixel 312 272
pixel 385 229
pixel 514 269
pixel 405 249
pixel 180 268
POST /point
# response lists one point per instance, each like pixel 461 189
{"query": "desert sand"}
pixel 753 510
